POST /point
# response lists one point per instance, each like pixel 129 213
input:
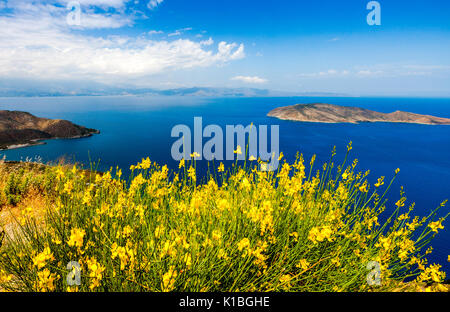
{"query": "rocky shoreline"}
pixel 329 113
pixel 22 129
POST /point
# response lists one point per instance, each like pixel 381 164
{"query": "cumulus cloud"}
pixel 37 43
pixel 208 42
pixel 249 79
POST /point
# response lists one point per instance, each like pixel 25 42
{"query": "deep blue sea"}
pixel 133 127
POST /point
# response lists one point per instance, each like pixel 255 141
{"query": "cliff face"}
pixel 328 113
pixel 17 128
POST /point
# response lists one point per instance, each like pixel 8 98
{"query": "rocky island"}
pixel 20 129
pixel 329 113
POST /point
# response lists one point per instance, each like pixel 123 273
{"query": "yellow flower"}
pixel 252 158
pixel 181 165
pixel 432 273
pixel 401 202
pixel 243 244
pixel 127 230
pixel 41 259
pixel 168 280
pixel 119 251
pixel 145 164
pixel 221 168
pixel 294 235
pixel 222 254
pixel 246 184
pixel 222 204
pixel 285 280
pixel 216 235
pixel 95 272
pixel 159 230
pixel 46 281
pixel 238 150
pixel 187 260
pixel 435 226
pixel 60 173
pixel 68 187
pixel 281 156
pixel 76 238
pixel 349 146
pixel 380 182
pixel 363 188
pixel 4 277
pixel 303 264
pixel 441 288
pixel 191 174
pixel 320 234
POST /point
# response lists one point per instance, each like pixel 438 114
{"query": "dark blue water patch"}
pixel 136 127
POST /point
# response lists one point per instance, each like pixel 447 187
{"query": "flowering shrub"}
pixel 235 230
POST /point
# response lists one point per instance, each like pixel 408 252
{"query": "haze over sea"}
pixel 134 127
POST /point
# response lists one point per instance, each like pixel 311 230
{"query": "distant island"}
pixel 329 113
pixel 20 129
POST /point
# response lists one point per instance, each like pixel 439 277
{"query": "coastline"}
pixel 357 123
pixel 36 142
pixel 339 114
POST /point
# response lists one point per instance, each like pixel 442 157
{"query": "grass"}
pixel 297 229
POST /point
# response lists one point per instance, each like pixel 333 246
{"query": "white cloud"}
pixel 328 73
pixel 152 4
pixel 175 33
pixel 36 42
pixel 380 70
pixel 92 21
pixel 155 32
pixel 99 3
pixel 428 67
pixel 179 32
pixel 249 79
pixel 369 73
pixel 208 42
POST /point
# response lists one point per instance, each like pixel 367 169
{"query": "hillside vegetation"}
pixel 298 229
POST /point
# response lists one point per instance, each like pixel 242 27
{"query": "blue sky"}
pixel 297 46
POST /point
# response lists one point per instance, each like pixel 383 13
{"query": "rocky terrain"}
pixel 329 113
pixel 18 129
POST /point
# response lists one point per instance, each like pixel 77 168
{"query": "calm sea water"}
pixel 136 127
